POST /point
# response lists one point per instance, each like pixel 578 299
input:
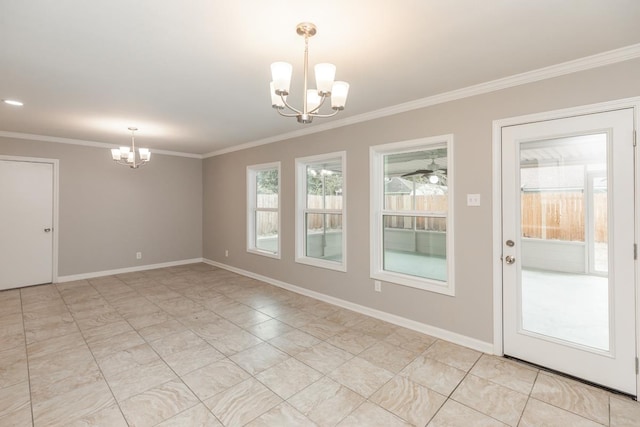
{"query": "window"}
pixel 411 204
pixel 263 209
pixel 321 211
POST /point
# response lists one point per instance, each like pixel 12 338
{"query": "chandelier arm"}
pixel 315 110
pixel 127 164
pixel 130 165
pixel 324 116
pixel 135 164
pixel 290 107
pixel 288 114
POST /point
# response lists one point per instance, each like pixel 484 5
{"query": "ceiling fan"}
pixel 433 170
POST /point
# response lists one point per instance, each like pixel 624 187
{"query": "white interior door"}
pixel 26 223
pixel 558 311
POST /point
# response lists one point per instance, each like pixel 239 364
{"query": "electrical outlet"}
pixel 138 255
pixel 226 252
pixel 377 286
pixel 473 200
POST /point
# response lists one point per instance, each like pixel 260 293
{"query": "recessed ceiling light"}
pixel 13 102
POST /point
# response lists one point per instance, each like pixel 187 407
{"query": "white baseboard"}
pixel 485 347
pixel 95 274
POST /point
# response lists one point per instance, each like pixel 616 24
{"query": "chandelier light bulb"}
pixel 339 93
pixel 313 100
pixel 325 74
pixel 281 75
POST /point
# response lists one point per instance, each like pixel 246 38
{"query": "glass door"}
pixel 568 261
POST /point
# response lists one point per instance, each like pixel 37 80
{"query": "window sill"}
pixel 264 253
pixel 316 262
pixel 444 288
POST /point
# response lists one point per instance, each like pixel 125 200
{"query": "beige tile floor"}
pixel 199 346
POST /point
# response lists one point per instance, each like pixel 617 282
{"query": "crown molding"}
pixel 589 62
pixel 46 138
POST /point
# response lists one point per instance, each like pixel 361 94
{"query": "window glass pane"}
pixel 267 188
pixel 267 231
pixel 553 201
pixel 416 181
pixel 415 246
pixel 324 185
pixel 564 286
pixel 324 236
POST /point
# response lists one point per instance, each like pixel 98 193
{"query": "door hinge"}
pixel 635 137
pixel 635 251
pixel 637 367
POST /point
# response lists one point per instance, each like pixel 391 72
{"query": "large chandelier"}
pixel 313 99
pixel 126 156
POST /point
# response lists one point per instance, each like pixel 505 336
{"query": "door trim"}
pixel 56 229
pixel 498 348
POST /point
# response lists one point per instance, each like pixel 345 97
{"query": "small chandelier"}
pixel 126 156
pixel 313 99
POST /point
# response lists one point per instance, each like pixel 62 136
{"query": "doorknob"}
pixel 46 230
pixel 509 259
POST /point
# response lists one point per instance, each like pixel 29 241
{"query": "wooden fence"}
pixel 267 224
pixel 437 204
pixel 561 216
pixel 545 215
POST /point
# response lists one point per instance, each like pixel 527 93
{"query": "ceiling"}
pixel 193 76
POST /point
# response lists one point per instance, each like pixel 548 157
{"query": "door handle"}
pixel 509 259
pixel 46 230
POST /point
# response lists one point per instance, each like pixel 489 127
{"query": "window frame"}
pixel 301 211
pixel 377 154
pixel 253 209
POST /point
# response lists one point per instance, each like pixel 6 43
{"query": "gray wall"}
pixel 470 312
pixel 107 212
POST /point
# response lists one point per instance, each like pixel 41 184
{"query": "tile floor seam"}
pixel 160 385
pixel 26 352
pixel 104 378
pixel 450 397
pixel 435 414
pixel 367 399
pixel 478 411
pixel 466 374
pixel 529 397
pixel 560 378
pixel 403 418
pixel 567 410
pixel 354 409
pixel 524 409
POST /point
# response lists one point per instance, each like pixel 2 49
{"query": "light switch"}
pixel 473 200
